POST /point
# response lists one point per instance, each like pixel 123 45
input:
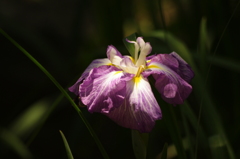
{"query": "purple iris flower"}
pixel 118 86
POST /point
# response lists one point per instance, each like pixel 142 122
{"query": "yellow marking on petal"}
pixel 137 80
pixel 148 61
pixel 132 59
pixel 110 64
pixel 154 66
pixel 117 72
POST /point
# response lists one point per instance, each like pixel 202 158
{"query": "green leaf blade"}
pixel 130 46
pixel 68 150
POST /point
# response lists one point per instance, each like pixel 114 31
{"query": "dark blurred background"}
pixel 65 36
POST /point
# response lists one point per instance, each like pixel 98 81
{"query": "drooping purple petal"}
pixel 165 59
pixel 184 70
pixel 150 57
pixel 169 84
pixel 140 109
pixel 96 63
pixel 104 89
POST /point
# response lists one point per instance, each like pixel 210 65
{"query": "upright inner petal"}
pixel 114 55
pixel 127 65
pixel 145 50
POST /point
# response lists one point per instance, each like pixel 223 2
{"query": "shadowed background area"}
pixel 65 36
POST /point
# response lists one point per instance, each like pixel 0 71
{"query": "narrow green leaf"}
pixel 61 89
pixel 130 46
pixel 139 142
pixel 68 150
pixel 164 151
pixel 15 143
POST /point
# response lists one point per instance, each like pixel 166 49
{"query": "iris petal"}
pixel 169 84
pixel 96 63
pixel 114 55
pixel 165 59
pixel 184 70
pixel 104 89
pixel 140 109
pixel 176 63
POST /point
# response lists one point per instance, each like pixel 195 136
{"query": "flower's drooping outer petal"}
pixel 165 59
pixel 114 55
pixel 140 109
pixel 184 70
pixel 96 63
pixel 104 89
pixel 170 85
pixel 150 57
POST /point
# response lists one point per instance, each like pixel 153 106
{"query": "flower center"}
pixel 137 64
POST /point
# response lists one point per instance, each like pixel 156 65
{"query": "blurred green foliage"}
pixel 65 36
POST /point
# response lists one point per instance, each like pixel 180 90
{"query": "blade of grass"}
pixel 68 150
pixel 91 131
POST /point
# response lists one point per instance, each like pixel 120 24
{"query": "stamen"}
pixel 140 69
